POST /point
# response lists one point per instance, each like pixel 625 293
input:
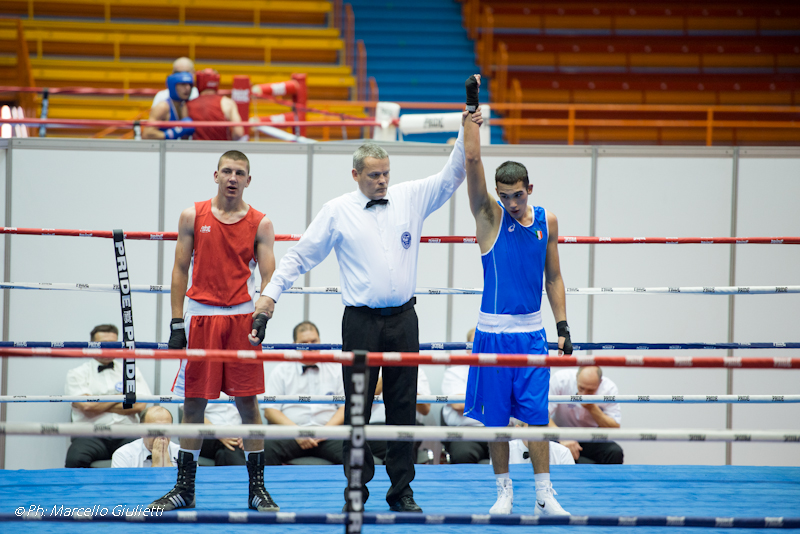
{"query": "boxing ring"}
pixel 603 498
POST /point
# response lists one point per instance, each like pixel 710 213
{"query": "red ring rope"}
pixel 167 124
pixel 398 359
pixel 172 236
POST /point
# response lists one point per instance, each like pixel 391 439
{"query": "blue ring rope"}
pixel 410 518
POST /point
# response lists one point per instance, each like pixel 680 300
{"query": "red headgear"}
pixel 207 79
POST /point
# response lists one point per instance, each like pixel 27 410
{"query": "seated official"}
pixel 454 382
pixel 587 381
pixel 224 451
pixel 150 451
pixel 378 416
pixel 100 376
pixel 519 453
pixel 291 378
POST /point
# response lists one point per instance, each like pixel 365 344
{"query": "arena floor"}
pixel 626 490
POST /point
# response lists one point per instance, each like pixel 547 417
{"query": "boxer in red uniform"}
pixel 210 106
pixel 220 242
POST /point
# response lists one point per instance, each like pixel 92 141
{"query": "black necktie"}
pixel 103 367
pixel 307 367
pixel 380 201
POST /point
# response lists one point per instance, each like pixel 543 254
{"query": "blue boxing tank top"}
pixel 173 113
pixel 513 270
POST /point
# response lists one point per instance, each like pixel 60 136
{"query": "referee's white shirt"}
pixel 565 382
pixel 377 248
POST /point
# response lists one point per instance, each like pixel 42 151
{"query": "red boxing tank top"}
pixel 208 108
pixel 223 261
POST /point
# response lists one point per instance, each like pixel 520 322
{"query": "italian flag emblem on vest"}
pixel 539 234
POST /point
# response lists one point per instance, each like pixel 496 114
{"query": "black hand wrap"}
pixel 177 334
pixel 472 94
pixel 260 326
pixel 563 331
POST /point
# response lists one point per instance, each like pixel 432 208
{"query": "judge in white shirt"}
pixel 587 381
pixel 293 378
pixel 454 382
pixel 224 451
pixel 100 376
pixel 378 416
pixel 149 451
pixel 375 231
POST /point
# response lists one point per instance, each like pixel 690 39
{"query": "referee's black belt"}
pixel 387 311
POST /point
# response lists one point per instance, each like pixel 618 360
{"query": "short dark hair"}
pixel 511 172
pixel 102 328
pixel 302 327
pixel 234 155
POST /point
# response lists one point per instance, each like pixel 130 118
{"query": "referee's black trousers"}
pixel 362 330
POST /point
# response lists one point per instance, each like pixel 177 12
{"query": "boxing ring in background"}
pixel 41 347
pixel 607 498
pixel 659 498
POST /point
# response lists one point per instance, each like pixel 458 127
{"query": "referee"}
pixel 375 231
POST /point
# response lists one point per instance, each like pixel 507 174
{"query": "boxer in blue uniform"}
pixel 174 109
pixel 519 248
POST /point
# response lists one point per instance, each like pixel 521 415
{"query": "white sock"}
pixel 501 476
pixel 542 485
pixel 253 452
pixel 195 454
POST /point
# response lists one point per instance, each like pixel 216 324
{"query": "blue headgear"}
pixel 176 78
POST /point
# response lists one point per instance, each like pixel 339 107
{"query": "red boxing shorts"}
pixel 205 380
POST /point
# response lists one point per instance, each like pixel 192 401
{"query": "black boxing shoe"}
pixel 259 498
pixel 182 495
pixel 405 504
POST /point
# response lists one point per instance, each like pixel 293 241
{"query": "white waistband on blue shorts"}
pixel 195 308
pixel 509 324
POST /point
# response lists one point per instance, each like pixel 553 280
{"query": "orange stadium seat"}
pixel 255 12
pixel 637 53
pixel 132 43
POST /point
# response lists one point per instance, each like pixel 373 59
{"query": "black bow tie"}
pixel 103 367
pixel 307 367
pixel 380 201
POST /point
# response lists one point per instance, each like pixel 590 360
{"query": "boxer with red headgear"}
pixel 207 79
pixel 210 106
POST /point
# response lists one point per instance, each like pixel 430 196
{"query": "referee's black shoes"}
pixel 405 504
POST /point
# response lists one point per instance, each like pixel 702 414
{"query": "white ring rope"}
pixel 396 433
pixel 428 399
pixel 335 290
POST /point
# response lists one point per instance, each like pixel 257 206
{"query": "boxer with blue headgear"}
pixel 172 106
pixel 177 78
pixel 176 96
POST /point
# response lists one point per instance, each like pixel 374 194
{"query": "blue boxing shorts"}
pixel 495 394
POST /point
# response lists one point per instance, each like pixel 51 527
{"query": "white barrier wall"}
pixel 606 191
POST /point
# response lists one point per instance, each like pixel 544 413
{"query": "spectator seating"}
pixel 255 12
pixel 130 44
pixel 673 53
